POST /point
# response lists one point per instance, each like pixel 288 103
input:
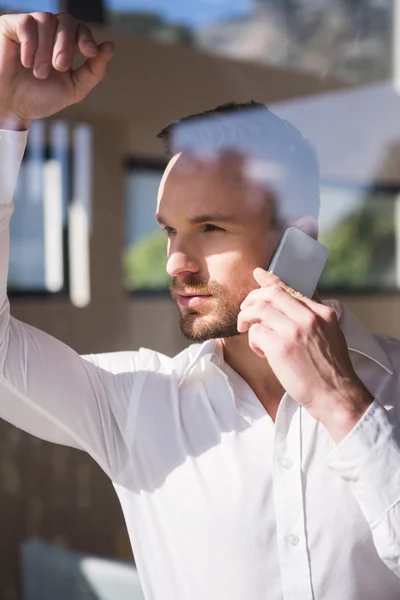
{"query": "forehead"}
pixel 192 183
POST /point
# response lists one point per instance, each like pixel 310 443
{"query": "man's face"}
pixel 218 227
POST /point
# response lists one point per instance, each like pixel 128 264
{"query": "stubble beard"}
pixel 199 327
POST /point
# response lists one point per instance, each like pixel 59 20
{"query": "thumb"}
pixel 87 76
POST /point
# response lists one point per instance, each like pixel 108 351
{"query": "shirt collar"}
pixel 207 349
pixel 358 339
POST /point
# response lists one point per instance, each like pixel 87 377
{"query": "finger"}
pixel 261 339
pixel 289 300
pixel 46 24
pixel 92 71
pixel 21 29
pixel 28 38
pixel 258 295
pixel 267 279
pixel 275 292
pixel 250 315
pixel 86 42
pixel 266 315
pixel 65 42
pixel 266 294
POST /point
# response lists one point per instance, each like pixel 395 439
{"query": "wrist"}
pixel 13 123
pixel 343 414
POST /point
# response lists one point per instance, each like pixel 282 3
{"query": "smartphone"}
pixel 299 261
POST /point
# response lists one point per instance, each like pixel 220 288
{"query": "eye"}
pixel 168 231
pixel 209 228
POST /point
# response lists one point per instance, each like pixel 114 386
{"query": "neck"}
pixel 255 371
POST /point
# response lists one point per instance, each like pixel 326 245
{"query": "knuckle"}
pixel 253 295
pixel 329 315
pixel 274 288
pixel 26 22
pixel 254 330
pixel 288 347
pixel 85 32
pixel 259 307
pixel 296 333
pixel 46 18
pixel 311 320
pixel 3 23
pixel 254 347
pixel 66 16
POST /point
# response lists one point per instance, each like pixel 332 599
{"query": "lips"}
pixel 192 300
pixel 190 295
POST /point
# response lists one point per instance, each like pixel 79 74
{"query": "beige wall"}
pixel 380 313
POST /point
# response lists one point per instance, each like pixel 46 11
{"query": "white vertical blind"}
pixel 54 173
pixel 80 212
pixel 53 241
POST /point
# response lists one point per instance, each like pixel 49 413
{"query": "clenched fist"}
pixel 37 51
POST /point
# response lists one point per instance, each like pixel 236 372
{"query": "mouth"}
pixel 191 301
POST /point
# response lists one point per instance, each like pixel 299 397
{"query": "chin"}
pixel 198 328
pixel 195 327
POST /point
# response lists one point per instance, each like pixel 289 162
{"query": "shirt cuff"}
pixel 368 459
pixel 12 148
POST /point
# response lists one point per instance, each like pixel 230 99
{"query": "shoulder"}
pixel 144 359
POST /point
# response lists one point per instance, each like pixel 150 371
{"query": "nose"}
pixel 181 259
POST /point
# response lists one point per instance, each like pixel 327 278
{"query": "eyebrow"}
pixel 206 218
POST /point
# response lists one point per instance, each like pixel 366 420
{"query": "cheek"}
pixel 233 272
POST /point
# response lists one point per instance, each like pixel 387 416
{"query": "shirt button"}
pixel 292 539
pixel 285 463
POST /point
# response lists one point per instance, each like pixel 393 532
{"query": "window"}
pixel 29 6
pixel 38 246
pixel 358 226
pixel 145 244
pixel 347 39
pixel 51 224
pixel 174 21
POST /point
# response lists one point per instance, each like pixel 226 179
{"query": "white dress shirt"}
pixel 220 502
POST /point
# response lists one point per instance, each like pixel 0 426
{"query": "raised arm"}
pixel 45 387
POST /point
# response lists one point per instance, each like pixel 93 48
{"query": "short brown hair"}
pixel 264 136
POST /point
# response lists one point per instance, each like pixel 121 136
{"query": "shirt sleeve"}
pixel 368 459
pixel 46 388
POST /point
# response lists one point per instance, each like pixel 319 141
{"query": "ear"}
pixel 307 224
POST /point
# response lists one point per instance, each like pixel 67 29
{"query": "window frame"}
pixel 145 163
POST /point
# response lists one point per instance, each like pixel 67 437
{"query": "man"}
pixel 264 463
